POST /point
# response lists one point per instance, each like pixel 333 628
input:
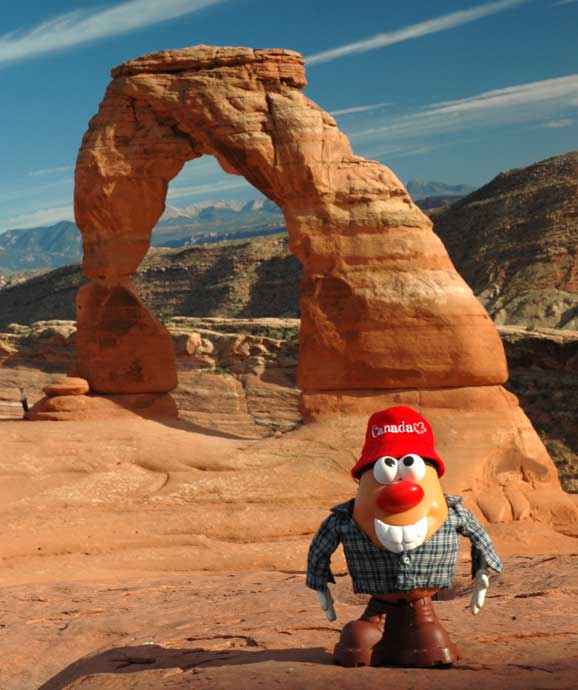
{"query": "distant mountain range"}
pixel 213 221
pixel 207 222
pixel 45 247
pixel 421 189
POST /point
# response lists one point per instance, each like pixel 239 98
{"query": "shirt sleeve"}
pixel 319 558
pixel 483 552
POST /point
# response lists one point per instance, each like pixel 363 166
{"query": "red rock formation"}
pixel 65 408
pixel 382 306
pixel 385 316
pixel 68 385
pixel 123 347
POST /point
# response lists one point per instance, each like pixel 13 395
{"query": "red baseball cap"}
pixel 398 431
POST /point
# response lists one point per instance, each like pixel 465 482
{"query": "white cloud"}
pixel 44 216
pixel 211 188
pixel 28 191
pixel 84 26
pixel 421 151
pixel 521 94
pixel 520 103
pixel 50 171
pixel 397 151
pixel 359 109
pixel 407 33
pixel 557 124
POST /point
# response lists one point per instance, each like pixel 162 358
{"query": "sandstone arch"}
pixel 385 317
pixel 382 306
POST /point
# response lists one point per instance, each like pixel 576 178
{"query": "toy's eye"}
pixel 385 469
pixel 411 467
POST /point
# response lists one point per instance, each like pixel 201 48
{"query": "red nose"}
pixel 399 496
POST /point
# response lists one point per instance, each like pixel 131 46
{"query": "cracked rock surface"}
pixel 265 629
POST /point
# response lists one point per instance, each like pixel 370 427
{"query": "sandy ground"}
pixel 173 557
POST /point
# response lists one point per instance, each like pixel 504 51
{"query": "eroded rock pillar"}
pixel 122 173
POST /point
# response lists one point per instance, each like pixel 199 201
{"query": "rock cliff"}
pixel 249 278
pixel 514 241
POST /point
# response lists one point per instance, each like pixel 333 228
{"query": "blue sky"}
pixel 448 91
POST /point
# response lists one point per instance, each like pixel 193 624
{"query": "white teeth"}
pixel 397 539
pixel 396 534
pixel 408 533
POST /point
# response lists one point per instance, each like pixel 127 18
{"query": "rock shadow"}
pixel 120 660
pixel 276 290
pixel 192 427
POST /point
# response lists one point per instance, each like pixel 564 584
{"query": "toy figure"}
pixel 400 538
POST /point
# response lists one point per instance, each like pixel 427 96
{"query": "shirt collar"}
pixel 346 507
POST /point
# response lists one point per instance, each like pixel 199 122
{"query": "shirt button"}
pixel 406 560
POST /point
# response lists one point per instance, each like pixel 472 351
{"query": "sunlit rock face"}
pixel 382 306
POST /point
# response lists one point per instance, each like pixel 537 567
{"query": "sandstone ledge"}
pixel 197 58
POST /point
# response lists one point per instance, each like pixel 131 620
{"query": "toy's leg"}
pixel 359 638
pixel 413 636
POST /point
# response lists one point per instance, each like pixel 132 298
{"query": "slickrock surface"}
pixel 121 533
pixel 66 408
pixel 265 630
pixel 141 555
pixel 374 272
pixel 141 491
pixel 143 496
pixel 514 241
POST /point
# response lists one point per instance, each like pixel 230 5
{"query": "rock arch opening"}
pixel 214 266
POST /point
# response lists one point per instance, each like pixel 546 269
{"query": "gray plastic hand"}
pixel 326 602
pixel 481 584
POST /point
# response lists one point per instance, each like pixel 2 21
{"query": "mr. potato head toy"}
pixel 400 538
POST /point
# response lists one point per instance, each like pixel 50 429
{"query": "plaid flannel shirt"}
pixel 377 571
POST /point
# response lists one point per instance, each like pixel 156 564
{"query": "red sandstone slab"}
pixel 264 629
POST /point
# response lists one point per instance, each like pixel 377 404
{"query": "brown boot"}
pixel 413 636
pixel 359 638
